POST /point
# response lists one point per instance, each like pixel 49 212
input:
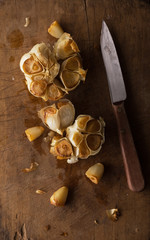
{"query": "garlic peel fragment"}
pixel 27 21
pixel 32 167
pixel 72 160
pixel 113 214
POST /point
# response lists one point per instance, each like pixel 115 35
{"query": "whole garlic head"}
pixel 58 116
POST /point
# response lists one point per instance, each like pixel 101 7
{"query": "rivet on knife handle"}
pixel 130 158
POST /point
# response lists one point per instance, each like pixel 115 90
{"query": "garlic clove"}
pixel 38 87
pixel 93 126
pixel 42 52
pixel 59 197
pixel 58 116
pixel 72 63
pixel 50 117
pixel 65 47
pixel 70 79
pixel 66 113
pixel 63 149
pixel 74 136
pixel 81 122
pixel 29 65
pixel 83 151
pixel 95 172
pixel 54 93
pixel 93 142
pixel 34 132
pixel 55 30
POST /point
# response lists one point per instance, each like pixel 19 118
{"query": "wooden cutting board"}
pixel 129 22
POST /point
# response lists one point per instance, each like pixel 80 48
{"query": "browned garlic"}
pixel 34 132
pixel 86 135
pixel 95 172
pixel 59 197
pixel 58 116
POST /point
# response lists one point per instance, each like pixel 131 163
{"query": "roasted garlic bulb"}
pixel 40 68
pixel 83 139
pixel 58 116
pixel 86 135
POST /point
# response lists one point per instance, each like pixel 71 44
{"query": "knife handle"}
pixel 132 166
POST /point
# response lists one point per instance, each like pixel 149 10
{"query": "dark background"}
pixel 129 23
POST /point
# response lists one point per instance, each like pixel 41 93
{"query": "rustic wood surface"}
pixel 129 22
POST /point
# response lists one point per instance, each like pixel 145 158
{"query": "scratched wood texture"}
pixel 129 22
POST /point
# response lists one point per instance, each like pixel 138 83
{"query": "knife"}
pixel 117 90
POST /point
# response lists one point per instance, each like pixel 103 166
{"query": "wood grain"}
pixel 129 23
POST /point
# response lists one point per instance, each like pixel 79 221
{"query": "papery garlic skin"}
pixel 72 160
pixel 59 197
pixel 58 116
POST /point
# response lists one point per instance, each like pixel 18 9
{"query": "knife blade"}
pixel 118 95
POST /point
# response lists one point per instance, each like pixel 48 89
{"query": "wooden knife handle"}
pixel 132 166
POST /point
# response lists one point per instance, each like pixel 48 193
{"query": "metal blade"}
pixel 112 66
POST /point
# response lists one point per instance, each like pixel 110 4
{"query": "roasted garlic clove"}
pixel 42 52
pixel 94 143
pixel 70 79
pixel 66 113
pixel 95 172
pixel 38 88
pixel 61 148
pixel 55 30
pixel 30 65
pixel 88 124
pixel 74 64
pixel 58 116
pixel 34 132
pixel 50 117
pixel 65 47
pixel 54 93
pixel 74 136
pixel 59 197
